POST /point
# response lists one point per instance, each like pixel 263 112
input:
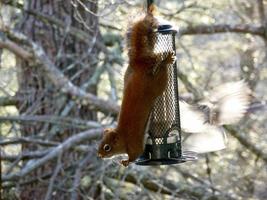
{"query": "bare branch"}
pixel 78 175
pixel 202 182
pixel 8 101
pixel 67 144
pixel 52 179
pixel 66 121
pixel 39 154
pixel 167 187
pixel 75 32
pixel 27 140
pixel 247 143
pixel 223 28
pixel 258 106
pixel 14 48
pixel 32 180
pixel 183 7
pixel 24 155
pixel 63 83
pixel 67 87
pixel 262 15
pixel 188 85
pixel 261 11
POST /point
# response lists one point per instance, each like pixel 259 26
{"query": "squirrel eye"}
pixel 107 147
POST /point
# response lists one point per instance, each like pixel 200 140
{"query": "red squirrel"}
pixel 142 85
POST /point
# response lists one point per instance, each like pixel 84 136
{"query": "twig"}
pixel 223 28
pixel 202 182
pixel 25 155
pixel 246 143
pixel 63 83
pixel 184 6
pixel 166 187
pixel 21 140
pixel 52 179
pixel 67 87
pixel 1 174
pixel 29 181
pixel 111 76
pixel 257 106
pixel 75 32
pixel 263 18
pixel 188 85
pixel 13 47
pixel 187 53
pixel 67 144
pixel 66 121
pixel 8 101
pixel 209 171
pixel 77 177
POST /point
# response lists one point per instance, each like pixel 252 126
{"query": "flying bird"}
pixel 202 123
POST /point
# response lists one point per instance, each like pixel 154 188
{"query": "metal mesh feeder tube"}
pixel 163 145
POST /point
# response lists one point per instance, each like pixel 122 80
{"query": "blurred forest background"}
pixel 61 72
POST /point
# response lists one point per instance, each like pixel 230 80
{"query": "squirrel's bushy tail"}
pixel 151 9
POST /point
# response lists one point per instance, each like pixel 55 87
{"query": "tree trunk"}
pixel 72 57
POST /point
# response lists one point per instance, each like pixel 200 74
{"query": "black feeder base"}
pixel 158 153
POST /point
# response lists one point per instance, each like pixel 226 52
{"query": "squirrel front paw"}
pixel 125 163
pixel 171 57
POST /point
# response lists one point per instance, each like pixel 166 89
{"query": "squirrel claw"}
pixel 171 57
pixel 125 163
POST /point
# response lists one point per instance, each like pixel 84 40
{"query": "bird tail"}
pixel 213 139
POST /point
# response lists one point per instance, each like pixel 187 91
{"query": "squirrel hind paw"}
pixel 125 163
pixel 171 57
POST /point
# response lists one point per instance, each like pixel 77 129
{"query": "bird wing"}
pixel 230 101
pixel 192 119
pixel 213 139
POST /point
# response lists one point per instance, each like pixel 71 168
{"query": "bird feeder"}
pixel 163 145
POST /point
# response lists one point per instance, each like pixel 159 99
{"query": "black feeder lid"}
pixel 166 29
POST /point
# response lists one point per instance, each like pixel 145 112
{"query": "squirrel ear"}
pixel 107 130
pixel 115 138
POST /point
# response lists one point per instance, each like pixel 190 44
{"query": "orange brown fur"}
pixel 141 88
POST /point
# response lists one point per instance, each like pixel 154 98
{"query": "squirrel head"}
pixel 111 144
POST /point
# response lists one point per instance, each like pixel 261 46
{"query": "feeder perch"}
pixel 163 145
